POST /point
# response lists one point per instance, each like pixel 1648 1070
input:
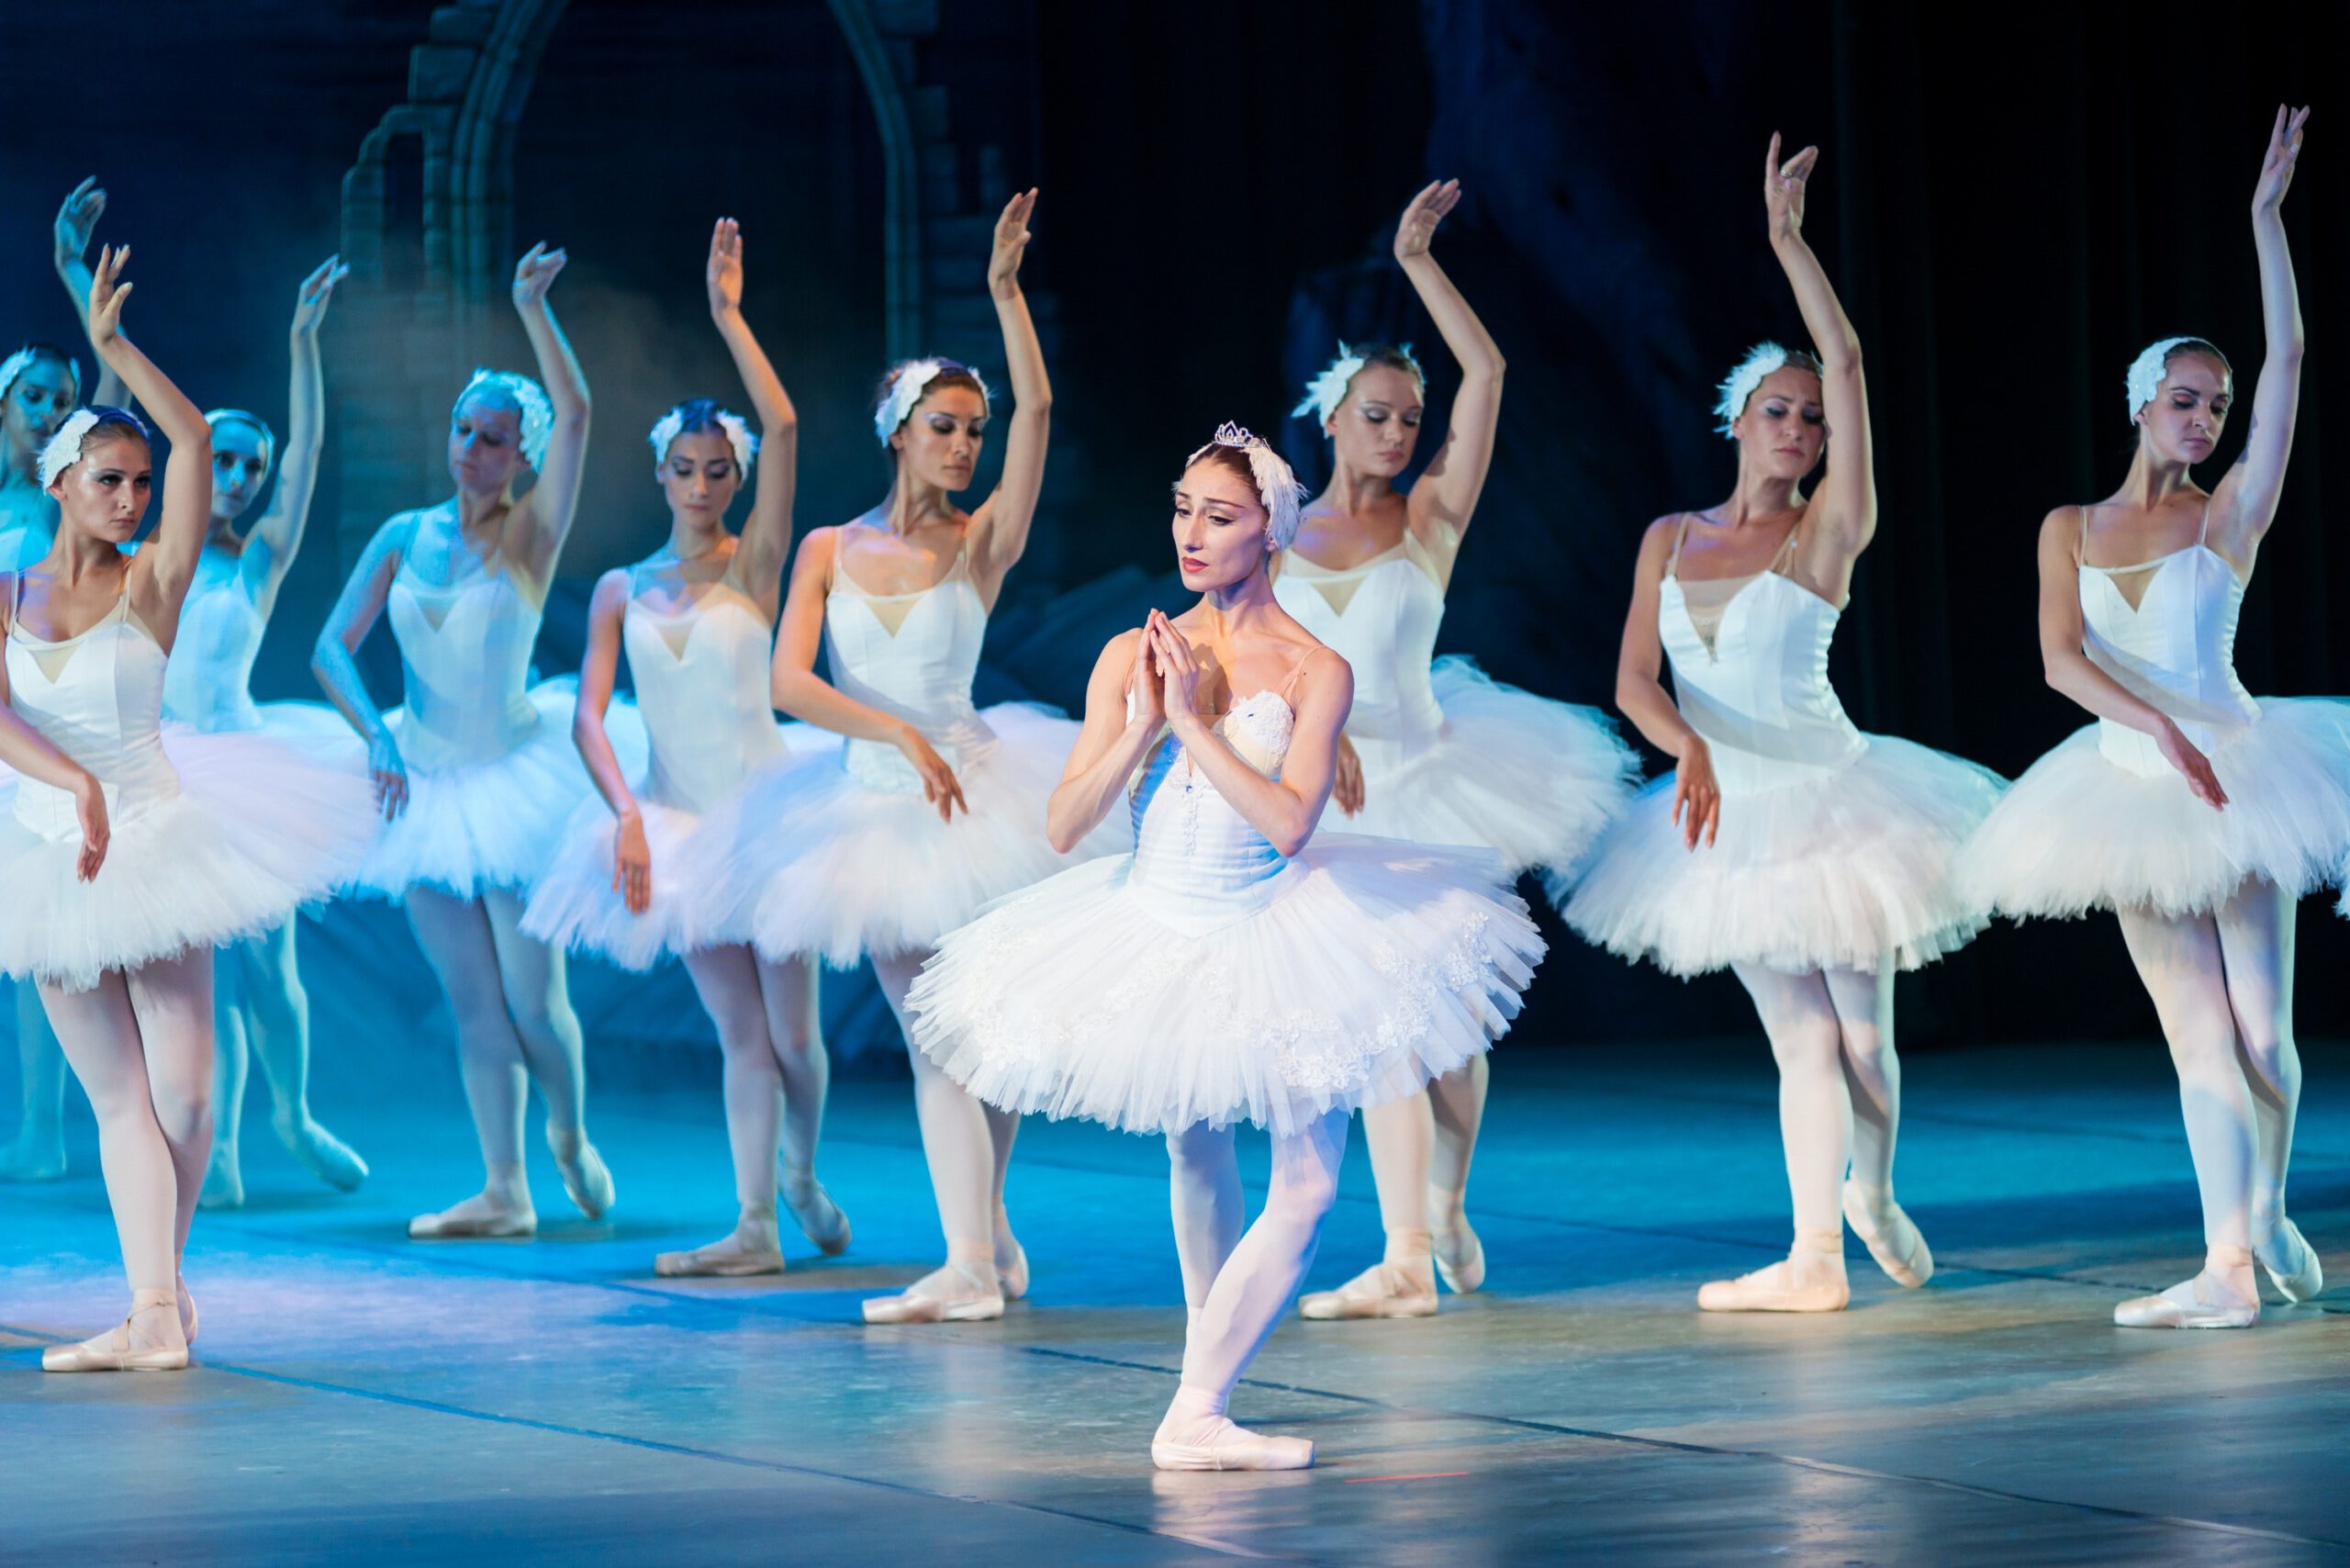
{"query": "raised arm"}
pixel 347 626
pixel 77 220
pixel 279 535
pixel 1284 810
pixel 554 501
pixel 1444 500
pixel 168 560
pixel 1640 695
pixel 2245 501
pixel 999 528
pixel 1118 735
pixel 1844 510
pixel 767 535
pixel 2069 668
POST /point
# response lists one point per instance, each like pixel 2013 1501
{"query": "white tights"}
pixel 2222 986
pixel 512 1008
pixel 966 1142
pixel 260 1012
pixel 38 1148
pixel 1420 1149
pixel 1839 1083
pixel 140 1042
pixel 1239 1286
pixel 777 1071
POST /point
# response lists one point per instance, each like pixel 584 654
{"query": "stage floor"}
pixel 360 1398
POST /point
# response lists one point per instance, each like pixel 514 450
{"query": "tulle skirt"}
pixel 258 829
pixel 1378 966
pixel 2080 833
pixel 1831 872
pixel 1529 778
pixel 809 859
pixel 496 824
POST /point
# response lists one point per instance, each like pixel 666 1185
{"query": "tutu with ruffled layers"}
pixel 2080 833
pixel 1377 967
pixel 1535 779
pixel 257 829
pixel 498 824
pixel 1830 872
pixel 811 859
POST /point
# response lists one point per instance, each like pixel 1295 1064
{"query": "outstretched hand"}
pixel 534 272
pixel 1783 186
pixel 77 220
pixel 310 299
pixel 1416 229
pixel 106 295
pixel 2277 167
pixel 724 271
pixel 1012 237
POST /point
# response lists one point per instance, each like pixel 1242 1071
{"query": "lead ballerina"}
pixel 2196 812
pixel 1234 967
pixel 1808 858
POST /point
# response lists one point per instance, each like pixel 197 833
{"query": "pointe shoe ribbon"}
pixel 126 1347
pixel 2292 1264
pixel 1897 1245
pixel 1383 1290
pixel 957 1293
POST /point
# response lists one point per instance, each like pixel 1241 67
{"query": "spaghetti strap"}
pixel 1295 670
pixel 1680 536
pixel 1786 551
pixel 2203 533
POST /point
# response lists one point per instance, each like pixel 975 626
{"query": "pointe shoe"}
pixel 2203 1302
pixel 129 1348
pixel 1383 1290
pixel 2291 1262
pixel 1898 1248
pixel 1460 1263
pixel 187 1311
pixel 584 1175
pixel 1012 1273
pixel 956 1293
pixel 33 1160
pixel 738 1255
pixel 1215 1443
pixel 321 1153
pixel 224 1181
pixel 820 1219
pixel 1803 1280
pixel 478 1218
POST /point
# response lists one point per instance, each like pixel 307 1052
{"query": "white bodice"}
pixel 465 667
pixel 1198 862
pixel 2176 649
pixel 912 655
pixel 99 698
pixel 701 688
pixel 1381 617
pixel 209 681
pixel 1758 691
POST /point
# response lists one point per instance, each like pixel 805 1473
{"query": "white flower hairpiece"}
pixel 1760 361
pixel 738 436
pixel 65 448
pixel 2146 373
pixel 1277 486
pixel 1327 390
pixel 906 385
pixel 268 437
pixel 538 414
pixel 17 363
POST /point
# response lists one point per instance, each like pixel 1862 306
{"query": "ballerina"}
pixel 1434 751
pixel 697 621
pixel 1810 859
pixel 1234 967
pixel 127 855
pixel 475 776
pixel 931 809
pixel 2195 811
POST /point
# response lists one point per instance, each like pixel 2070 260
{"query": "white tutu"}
pixel 1533 779
pixel 1377 967
pixel 257 829
pixel 498 824
pixel 1830 872
pixel 2080 833
pixel 810 858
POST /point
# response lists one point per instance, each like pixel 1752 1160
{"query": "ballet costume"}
pixel 1835 863
pixel 37 1151
pixel 2103 821
pixel 1206 979
pixel 1449 756
pixel 258 1002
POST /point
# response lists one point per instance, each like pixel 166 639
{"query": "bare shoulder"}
pixel 612 588
pixel 2062 527
pixel 818 543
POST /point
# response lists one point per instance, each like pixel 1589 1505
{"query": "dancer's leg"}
pixel 456 939
pixel 1863 1003
pixel 538 998
pixel 1402 1135
pixel 37 1151
pixel 795 1030
pixel 1203 1196
pixel 727 980
pixel 1816 1139
pixel 2180 963
pixel 224 1179
pixel 277 1012
pixel 2256 945
pixel 172 1000
pixel 1458 1100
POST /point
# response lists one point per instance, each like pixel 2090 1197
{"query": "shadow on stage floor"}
pixel 360 1398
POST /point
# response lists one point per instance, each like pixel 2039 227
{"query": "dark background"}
pixel 2011 202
